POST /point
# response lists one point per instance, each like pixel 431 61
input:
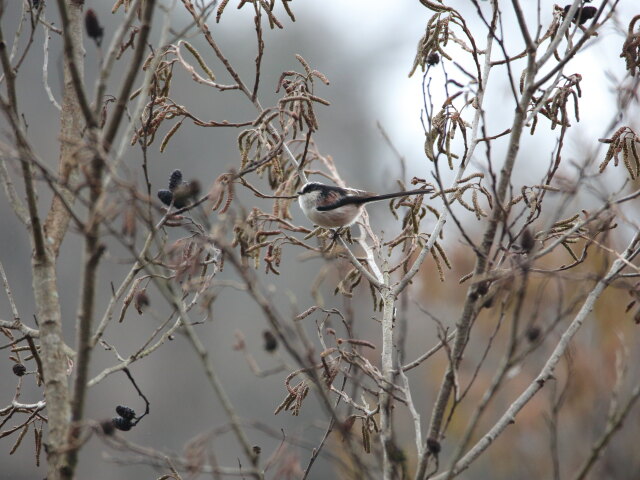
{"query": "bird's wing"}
pixel 339 201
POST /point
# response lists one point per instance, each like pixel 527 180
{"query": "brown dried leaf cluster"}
pixel 624 141
pixel 631 47
pixel 555 107
pixel 267 6
pixel 434 40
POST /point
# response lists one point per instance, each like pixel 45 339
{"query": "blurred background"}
pixel 366 49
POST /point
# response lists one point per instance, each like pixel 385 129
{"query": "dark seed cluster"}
pixel 165 196
pixel 582 14
pixel 180 193
pixel 270 341
pixel 527 241
pixel 94 29
pixel 533 333
pixel 433 59
pixel 125 412
pixel 433 446
pixel 124 420
pixel 175 180
pixel 122 424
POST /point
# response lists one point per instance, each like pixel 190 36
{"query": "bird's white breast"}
pixel 340 217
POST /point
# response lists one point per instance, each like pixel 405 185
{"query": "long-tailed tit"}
pixel 333 207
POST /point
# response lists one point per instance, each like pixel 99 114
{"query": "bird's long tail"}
pixel 355 200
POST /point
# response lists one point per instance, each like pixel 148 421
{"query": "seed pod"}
pixel 123 424
pixel 141 301
pixel 483 287
pixel 433 59
pixel 94 30
pixel 270 341
pixel 19 369
pixel 175 179
pixel 433 446
pixel 533 333
pixel 125 412
pixel 582 14
pixel 165 197
pixel 527 242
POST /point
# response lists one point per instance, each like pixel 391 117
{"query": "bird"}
pixel 330 206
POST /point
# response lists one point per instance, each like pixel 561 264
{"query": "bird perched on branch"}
pixel 330 206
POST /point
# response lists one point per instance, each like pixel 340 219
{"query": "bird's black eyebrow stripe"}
pixel 314 186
